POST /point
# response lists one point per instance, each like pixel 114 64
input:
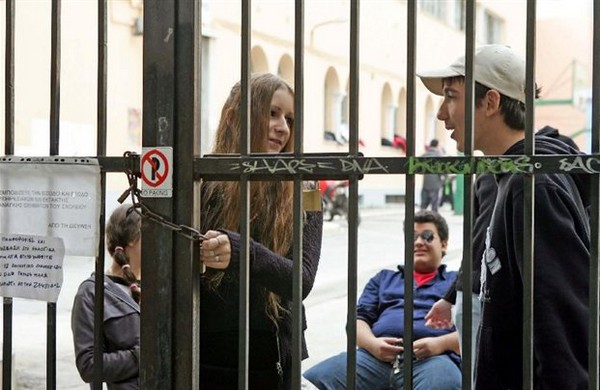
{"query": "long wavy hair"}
pixel 271 211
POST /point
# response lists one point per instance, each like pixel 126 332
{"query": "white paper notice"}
pixel 31 267
pixel 52 199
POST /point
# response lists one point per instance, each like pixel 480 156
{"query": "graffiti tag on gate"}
pixel 293 166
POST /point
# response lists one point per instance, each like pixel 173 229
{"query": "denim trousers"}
pixel 434 373
pixel 457 315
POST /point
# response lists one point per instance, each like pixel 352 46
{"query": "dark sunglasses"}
pixel 426 235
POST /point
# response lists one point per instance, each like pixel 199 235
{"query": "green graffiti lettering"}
pixel 424 166
pixel 503 165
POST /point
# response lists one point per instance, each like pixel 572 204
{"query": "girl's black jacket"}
pixel 269 346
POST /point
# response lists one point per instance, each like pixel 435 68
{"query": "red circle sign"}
pixel 155 168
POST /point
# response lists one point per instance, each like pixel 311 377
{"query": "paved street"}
pixel 380 245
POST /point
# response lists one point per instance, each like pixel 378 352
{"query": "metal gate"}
pixel 171 118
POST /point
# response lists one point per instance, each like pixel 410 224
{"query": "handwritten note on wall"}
pixel 31 266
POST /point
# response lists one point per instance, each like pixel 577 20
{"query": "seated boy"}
pixel 380 324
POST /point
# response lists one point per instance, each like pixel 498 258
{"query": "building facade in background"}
pixel 382 89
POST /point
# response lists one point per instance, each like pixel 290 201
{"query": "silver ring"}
pixel 217 258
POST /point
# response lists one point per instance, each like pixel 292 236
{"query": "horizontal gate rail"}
pixel 323 166
pixel 313 166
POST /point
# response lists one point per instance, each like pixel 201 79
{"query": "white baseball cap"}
pixel 495 66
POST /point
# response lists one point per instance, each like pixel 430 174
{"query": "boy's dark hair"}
pixel 427 216
pixel 512 109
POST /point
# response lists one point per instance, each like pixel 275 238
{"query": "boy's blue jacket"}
pixel 381 304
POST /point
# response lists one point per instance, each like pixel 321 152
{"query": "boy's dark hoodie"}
pixel 561 280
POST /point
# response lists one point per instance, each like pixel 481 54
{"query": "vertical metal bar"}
pixel 595 209
pixel 297 286
pixel 51 346
pixel 186 268
pixel 529 202
pixel 299 77
pixel 7 344
pixel 156 370
pixel 54 151
pixel 101 100
pixel 411 39
pixel 467 261
pixel 102 79
pixel 297 203
pixel 243 342
pixel 244 303
pixel 55 78
pixel 9 149
pixel 197 267
pixel 9 80
pixel 353 195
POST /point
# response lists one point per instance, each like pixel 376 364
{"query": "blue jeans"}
pixel 457 315
pixel 434 373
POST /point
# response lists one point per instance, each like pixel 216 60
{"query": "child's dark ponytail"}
pixel 123 228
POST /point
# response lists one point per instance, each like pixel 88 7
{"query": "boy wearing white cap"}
pixel 561 241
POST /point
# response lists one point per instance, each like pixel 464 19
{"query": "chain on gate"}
pixel 145 212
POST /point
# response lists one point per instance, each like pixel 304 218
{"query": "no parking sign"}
pixel 157 172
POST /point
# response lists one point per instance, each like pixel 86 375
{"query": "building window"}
pixel 435 8
pixel 335 126
pixel 460 15
pixel 493 28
